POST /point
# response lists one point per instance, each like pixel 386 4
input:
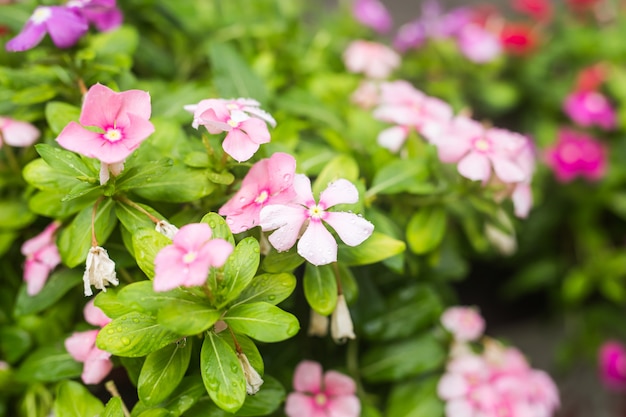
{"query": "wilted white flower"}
pixel 166 229
pixel 340 322
pixel 99 271
pixel 318 324
pixel 253 379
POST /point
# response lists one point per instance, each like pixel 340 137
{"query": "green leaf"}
pixel 222 373
pixel 110 304
pixel 147 243
pixel 44 177
pixel 239 270
pixel 14 214
pixel 248 347
pixel 162 371
pixel 341 166
pixel 113 408
pixel 139 175
pixel 14 343
pixel 426 229
pixel 276 262
pixel 74 400
pixel 415 399
pixel 75 240
pixel 49 364
pixel 34 95
pixel 403 359
pixel 269 288
pixel 123 40
pixel 219 228
pixel 266 401
pixel 232 75
pixel 50 204
pixel 140 296
pixel 66 162
pixel 134 334
pixel 188 317
pixel 320 288
pixel 57 285
pixel 262 321
pixel 405 175
pixel 133 219
pixel 375 249
pixel 180 185
pixel 59 115
pixel 224 177
pixel 155 412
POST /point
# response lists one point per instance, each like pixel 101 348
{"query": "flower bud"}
pixel 99 271
pixel 166 229
pixel 318 324
pixel 340 322
pixel 253 379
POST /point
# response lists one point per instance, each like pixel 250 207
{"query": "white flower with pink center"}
pixel 317 245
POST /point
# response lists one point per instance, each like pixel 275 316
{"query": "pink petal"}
pixel 35 274
pixel 522 200
pixel 340 191
pixel 65 26
pixel 287 220
pixel 507 170
pixel 136 132
pixel 18 133
pixel 308 377
pixel 281 168
pixel 167 269
pixel 94 316
pixel 460 408
pixel 336 383
pixel 302 185
pixel 301 405
pixel 393 138
pixel 43 239
pixel 76 138
pixel 344 406
pixel 80 344
pixel 452 385
pixel 217 251
pixel 100 107
pixel 256 130
pixel 97 366
pixel 317 245
pixel 475 166
pixel 31 35
pixel 239 145
pixel 49 256
pixel 135 102
pixel 194 274
pixel 351 228
pixel 192 236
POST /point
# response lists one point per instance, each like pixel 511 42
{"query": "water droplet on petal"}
pixel 286 177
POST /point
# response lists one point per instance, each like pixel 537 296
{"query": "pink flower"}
pixel 477 150
pixel 465 323
pixel 245 133
pixel 82 347
pixel 316 244
pixel 366 95
pixel 576 154
pixel 373 14
pixel 522 196
pixel 42 256
pixel 64 25
pixel 122 121
pixel 588 108
pixel 612 365
pixel 187 260
pixel 400 103
pixel 478 45
pixel 329 395
pixel 17 133
pixel 269 181
pixel 104 14
pixel 373 59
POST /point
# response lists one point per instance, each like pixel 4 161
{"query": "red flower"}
pixel 590 78
pixel 518 38
pixel 539 9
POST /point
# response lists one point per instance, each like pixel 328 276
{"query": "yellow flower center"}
pixel 320 399
pixel 233 123
pixel 262 198
pixel 113 135
pixel 316 212
pixel 482 144
pixel 41 14
pixel 190 257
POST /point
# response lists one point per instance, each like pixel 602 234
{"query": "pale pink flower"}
pixel 372 59
pixel 366 95
pixel 187 260
pixel 245 133
pixel 576 154
pixel 589 108
pixel 42 256
pixel 478 44
pixel 17 133
pixel 612 365
pixel 331 394
pixel 464 323
pixel 247 105
pixel 82 347
pixel 522 196
pixel 316 244
pixel 122 123
pixel 373 14
pixel 269 181
pixel 477 150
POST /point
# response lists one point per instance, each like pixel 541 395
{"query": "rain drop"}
pixel 287 177
pixel 125 340
pixel 212 225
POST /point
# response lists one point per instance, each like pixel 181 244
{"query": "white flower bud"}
pixel 318 324
pixel 253 379
pixel 99 271
pixel 166 229
pixel 340 322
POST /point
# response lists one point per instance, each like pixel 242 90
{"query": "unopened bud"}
pixel 166 229
pixel 341 327
pixel 318 324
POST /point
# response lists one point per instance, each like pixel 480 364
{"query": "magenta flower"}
pixel 104 14
pixel 42 256
pixel 123 123
pixel 373 14
pixel 269 181
pixel 612 365
pixel 576 154
pixel 329 395
pixel 187 260
pixel 477 150
pixel 17 133
pixel 82 347
pixel 464 323
pixel 245 133
pixel 589 108
pixel 373 59
pixel 64 25
pixel 316 244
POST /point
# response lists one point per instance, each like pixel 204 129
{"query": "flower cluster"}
pixel 42 256
pixel 497 381
pixel 66 24
pixel 82 347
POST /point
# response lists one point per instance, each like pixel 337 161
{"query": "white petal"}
pixel 287 220
pixel 317 245
pixel 351 228
pixel 340 191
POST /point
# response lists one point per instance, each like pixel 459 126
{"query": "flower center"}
pixel 232 123
pixel 232 106
pixel 262 198
pixel 320 399
pixel 482 145
pixel 316 212
pixel 190 257
pixel 40 15
pixel 113 135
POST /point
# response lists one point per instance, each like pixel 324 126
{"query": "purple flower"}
pixel 373 14
pixel 103 14
pixel 64 25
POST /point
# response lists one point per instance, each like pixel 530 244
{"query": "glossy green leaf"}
pixel 110 304
pixel 320 288
pixel 34 95
pixel 147 243
pixel 180 185
pixel 276 262
pixel 248 347
pixel 44 177
pixel 415 399
pixel 404 175
pixel 75 240
pixel 341 166
pixel 262 321
pixel 219 228
pixel 222 373
pixel 14 214
pixel 140 296
pixel 49 364
pixel 187 317
pixel 266 401
pixel 113 408
pixel 133 219
pixel 74 400
pixel 51 204
pixel 59 115
pixel 237 273
pixel 139 175
pixel 134 334
pixel 270 288
pixel 14 343
pixel 66 162
pixel 375 249
pixel 162 371
pixel 426 229
pixel 57 285
pixel 155 412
